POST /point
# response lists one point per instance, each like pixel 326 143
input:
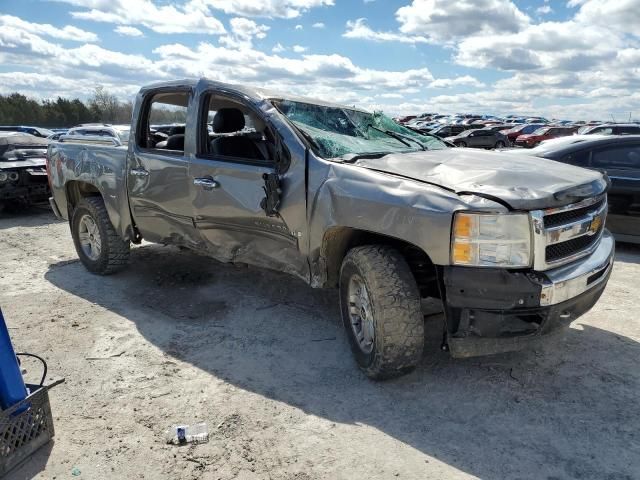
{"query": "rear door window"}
pixel 165 107
pixel 619 157
pixel 629 130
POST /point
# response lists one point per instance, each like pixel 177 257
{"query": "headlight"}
pixel 491 240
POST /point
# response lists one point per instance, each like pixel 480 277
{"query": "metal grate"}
pixel 24 428
pixel 569 216
pixel 562 250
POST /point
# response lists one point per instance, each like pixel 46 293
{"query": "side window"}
pixel 628 130
pixel 165 109
pixel 231 130
pixel 627 156
pixel 580 159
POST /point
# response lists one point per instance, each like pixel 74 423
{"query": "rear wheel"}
pixel 381 311
pixel 100 249
pixel 499 144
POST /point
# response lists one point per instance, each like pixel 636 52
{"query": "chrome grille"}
pixel 562 235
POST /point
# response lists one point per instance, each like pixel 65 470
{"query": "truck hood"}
pixel 521 182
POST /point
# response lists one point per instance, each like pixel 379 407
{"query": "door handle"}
pixel 139 172
pixel 206 183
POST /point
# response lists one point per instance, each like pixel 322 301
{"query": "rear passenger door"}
pixel 227 184
pixel 622 163
pixel 158 174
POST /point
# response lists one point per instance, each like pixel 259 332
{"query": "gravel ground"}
pixel 262 359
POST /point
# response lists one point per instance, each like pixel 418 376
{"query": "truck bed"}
pixel 101 166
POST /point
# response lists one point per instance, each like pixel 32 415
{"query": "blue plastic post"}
pixel 12 388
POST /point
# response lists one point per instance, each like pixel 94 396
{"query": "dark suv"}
pixel 449 130
pixel 480 138
pixel 614 129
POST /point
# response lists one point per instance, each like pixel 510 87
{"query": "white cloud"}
pixel 360 29
pixel 299 49
pixel 128 31
pixel 278 48
pixel 192 17
pixel 243 32
pixel 465 80
pixel 318 25
pixel 620 15
pixel 299 27
pixel 67 32
pixel 444 21
pixel 544 10
pixel 267 8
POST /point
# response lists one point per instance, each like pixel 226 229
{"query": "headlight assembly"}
pixel 491 240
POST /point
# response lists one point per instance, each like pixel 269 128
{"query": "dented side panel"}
pixel 349 196
pixel 102 167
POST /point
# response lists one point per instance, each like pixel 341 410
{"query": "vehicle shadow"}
pixel 33 216
pixel 565 409
pixel 627 252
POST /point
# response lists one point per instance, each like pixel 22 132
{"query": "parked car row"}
pixel 526 132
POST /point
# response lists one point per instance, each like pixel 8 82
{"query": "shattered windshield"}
pixel 339 131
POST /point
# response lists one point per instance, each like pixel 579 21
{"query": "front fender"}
pixel 385 204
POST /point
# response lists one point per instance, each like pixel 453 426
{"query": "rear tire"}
pixel 100 249
pixel 381 312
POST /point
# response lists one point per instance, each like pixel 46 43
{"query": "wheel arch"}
pixel 76 190
pixel 337 241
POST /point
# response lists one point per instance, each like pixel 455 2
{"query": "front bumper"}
pixel 496 310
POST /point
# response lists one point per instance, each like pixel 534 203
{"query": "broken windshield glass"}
pixel 340 131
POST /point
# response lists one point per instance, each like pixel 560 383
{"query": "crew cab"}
pixel 347 199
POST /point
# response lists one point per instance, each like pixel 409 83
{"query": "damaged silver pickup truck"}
pixel 514 247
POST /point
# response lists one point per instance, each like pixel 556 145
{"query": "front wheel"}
pixel 380 305
pixel 100 249
pixel 461 144
pixel 499 144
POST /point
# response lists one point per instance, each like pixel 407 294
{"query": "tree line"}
pixel 102 106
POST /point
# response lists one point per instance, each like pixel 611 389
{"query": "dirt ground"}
pixel 262 359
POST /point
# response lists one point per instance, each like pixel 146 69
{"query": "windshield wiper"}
pixel 397 136
pixel 352 157
pixel 420 144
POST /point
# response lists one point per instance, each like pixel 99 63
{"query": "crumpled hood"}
pixel 523 182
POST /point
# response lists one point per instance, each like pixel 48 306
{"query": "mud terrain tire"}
pixel 113 254
pixel 393 304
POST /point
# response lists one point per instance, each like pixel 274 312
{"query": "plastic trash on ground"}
pixel 184 434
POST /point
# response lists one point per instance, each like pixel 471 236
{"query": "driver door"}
pixel 228 190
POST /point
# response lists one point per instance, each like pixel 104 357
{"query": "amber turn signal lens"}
pixel 461 253
pixel 463 226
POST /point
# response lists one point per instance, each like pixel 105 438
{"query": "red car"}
pixel 544 133
pixel 522 129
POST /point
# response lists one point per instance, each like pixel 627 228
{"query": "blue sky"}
pixel 564 59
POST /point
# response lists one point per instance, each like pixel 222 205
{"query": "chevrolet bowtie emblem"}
pixel 596 223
